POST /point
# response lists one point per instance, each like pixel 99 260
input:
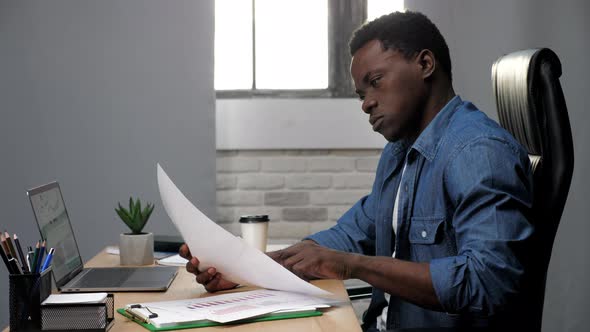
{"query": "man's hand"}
pixel 308 260
pixel 211 279
pixel 407 280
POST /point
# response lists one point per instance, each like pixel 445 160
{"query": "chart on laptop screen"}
pixel 55 227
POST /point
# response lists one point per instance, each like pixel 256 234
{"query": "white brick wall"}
pixel 303 191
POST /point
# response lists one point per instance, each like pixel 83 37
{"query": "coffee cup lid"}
pixel 251 219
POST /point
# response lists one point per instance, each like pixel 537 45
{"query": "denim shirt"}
pixel 464 207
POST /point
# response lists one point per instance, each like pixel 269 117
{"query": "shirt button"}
pixel 424 234
pixel 406 187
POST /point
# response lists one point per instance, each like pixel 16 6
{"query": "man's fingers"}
pixel 213 284
pixel 212 280
pixel 291 261
pixel 184 252
pixel 274 254
pixel 206 276
pixel 300 270
pixel 280 256
pixel 192 265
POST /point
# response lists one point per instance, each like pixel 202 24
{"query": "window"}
pixel 288 48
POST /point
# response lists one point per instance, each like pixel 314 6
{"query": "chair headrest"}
pixel 531 106
pixel 515 77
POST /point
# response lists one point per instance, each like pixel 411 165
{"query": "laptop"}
pixel 67 266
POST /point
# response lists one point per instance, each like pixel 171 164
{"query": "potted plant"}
pixel 136 247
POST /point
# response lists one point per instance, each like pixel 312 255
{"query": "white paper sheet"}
pixel 75 298
pixel 230 255
pixel 114 250
pixel 230 307
pixel 174 260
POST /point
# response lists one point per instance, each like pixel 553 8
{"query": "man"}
pixel 442 235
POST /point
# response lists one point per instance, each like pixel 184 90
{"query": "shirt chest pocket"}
pixel 427 239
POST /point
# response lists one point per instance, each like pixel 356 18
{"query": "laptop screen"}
pixel 54 224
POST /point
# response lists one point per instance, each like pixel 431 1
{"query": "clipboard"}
pixel 207 323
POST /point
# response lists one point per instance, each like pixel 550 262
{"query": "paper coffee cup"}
pixel 255 230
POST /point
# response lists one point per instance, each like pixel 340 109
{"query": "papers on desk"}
pixel 230 255
pixel 114 250
pixel 174 260
pixel 225 308
pixel 75 298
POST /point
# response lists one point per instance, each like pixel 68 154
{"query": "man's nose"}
pixel 369 105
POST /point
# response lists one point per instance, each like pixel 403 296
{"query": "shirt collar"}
pixel 429 140
pixel 399 146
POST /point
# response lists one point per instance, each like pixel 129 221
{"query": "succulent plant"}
pixel 135 217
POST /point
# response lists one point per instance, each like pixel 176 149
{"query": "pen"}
pixel 23 261
pixel 30 258
pixel 29 261
pixel 47 259
pixel 15 266
pixel 137 316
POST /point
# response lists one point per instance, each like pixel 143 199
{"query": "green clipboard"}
pixel 211 323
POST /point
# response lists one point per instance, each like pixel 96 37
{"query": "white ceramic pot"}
pixel 136 249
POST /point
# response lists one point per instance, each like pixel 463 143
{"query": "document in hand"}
pixel 224 308
pixel 230 255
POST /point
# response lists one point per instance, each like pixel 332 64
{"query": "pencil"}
pixel 5 259
pixel 40 257
pixel 4 245
pixel 10 246
pixel 35 256
pixel 23 261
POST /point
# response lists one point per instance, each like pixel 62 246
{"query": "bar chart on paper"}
pixel 239 299
pixel 227 307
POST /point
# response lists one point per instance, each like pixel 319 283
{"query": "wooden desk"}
pixel 341 318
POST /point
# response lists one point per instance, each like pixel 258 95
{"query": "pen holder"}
pixel 27 291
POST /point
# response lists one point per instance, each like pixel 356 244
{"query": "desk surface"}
pixel 341 318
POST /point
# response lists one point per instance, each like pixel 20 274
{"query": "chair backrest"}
pixel 531 106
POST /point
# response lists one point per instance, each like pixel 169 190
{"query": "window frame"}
pixel 344 16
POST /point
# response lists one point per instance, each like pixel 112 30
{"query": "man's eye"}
pixel 374 82
pixel 361 98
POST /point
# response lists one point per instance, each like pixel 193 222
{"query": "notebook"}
pixel 67 265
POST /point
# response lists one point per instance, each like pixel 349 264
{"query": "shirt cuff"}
pixel 448 274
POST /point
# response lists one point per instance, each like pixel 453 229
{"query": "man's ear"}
pixel 427 63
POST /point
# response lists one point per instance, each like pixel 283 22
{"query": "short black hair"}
pixel 407 32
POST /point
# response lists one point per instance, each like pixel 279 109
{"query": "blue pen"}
pixel 47 260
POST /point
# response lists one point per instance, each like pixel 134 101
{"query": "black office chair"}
pixel 532 107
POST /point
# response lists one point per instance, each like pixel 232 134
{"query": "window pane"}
pixel 376 8
pixel 233 44
pixel 291 44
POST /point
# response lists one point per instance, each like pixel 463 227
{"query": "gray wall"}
pixel 93 94
pixel 83 85
pixel 480 31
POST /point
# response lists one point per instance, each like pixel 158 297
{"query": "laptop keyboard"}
pixel 111 277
